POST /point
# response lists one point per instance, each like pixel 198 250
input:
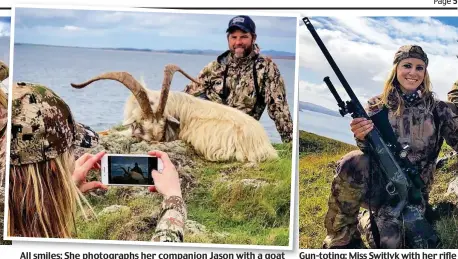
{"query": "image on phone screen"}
pixel 131 170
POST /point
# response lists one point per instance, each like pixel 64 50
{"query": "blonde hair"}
pixel 389 89
pixel 3 99
pixel 44 198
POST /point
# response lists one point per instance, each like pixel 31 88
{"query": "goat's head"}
pixel 145 123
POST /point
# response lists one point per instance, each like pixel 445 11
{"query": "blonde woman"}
pixel 419 121
pixel 46 183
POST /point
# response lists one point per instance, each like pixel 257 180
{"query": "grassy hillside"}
pixel 228 203
pixel 318 156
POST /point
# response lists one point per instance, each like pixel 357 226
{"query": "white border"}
pixel 5 13
pixel 236 3
pixel 292 229
pixel 8 129
pixel 295 165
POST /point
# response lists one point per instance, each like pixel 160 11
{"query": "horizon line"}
pixel 145 49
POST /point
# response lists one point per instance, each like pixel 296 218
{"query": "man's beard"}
pixel 245 52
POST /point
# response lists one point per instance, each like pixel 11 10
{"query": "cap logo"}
pixel 238 19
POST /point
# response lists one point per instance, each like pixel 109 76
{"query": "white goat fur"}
pixel 216 131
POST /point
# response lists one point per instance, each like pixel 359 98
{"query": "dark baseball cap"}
pixel 242 22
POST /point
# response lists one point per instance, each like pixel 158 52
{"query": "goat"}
pixel 216 131
pixel 133 174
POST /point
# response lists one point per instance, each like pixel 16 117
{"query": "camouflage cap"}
pixel 410 51
pixel 4 71
pixel 243 22
pixel 42 125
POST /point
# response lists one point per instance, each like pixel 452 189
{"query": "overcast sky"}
pixel 5 26
pixel 364 47
pixel 144 29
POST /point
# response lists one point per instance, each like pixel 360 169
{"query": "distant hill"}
pixel 317 108
pixel 271 53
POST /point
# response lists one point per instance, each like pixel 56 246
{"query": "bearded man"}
pixel 244 79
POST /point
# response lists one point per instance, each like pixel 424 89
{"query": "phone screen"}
pixel 131 170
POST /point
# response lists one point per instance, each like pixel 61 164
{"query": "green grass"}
pixel 247 215
pixel 318 157
pixel 317 161
pixel 232 212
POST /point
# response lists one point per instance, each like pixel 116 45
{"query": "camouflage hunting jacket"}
pixel 416 127
pixel 172 219
pixel 239 91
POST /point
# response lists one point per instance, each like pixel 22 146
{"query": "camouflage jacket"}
pixel 452 97
pixel 417 128
pixel 172 219
pixel 240 92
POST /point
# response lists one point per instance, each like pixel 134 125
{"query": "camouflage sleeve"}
pixel 204 75
pixel 170 227
pixel 448 124
pixel 277 103
pixel 452 95
pixel 371 109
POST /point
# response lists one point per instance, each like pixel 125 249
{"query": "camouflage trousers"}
pixel 344 221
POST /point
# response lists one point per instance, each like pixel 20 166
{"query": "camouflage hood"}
pixel 4 71
pixel 42 126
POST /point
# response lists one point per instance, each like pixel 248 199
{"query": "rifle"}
pixel 404 183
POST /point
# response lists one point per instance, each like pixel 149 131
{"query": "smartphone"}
pixel 129 169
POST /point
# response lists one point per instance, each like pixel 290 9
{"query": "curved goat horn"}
pixel 129 81
pixel 169 70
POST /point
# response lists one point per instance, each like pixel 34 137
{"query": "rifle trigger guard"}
pixel 391 189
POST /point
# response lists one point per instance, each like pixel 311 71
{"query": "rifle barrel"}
pixel 333 64
pixel 333 90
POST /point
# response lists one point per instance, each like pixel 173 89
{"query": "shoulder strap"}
pixel 439 140
pixel 259 98
pixel 225 93
pixel 382 123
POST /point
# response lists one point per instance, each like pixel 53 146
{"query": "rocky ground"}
pixel 215 194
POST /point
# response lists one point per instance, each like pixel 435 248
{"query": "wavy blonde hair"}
pixel 389 89
pixel 43 198
pixel 3 99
